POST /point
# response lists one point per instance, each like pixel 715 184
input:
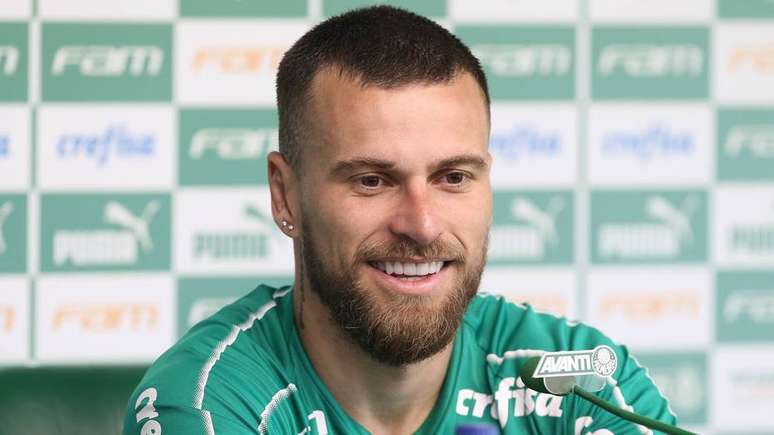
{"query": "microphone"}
pixel 564 385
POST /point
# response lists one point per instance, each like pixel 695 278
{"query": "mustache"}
pixel 406 248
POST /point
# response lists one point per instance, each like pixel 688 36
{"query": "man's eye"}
pixel 370 181
pixel 455 178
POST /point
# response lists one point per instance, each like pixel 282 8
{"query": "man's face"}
pixel 396 208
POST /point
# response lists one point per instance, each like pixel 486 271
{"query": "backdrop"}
pixel 634 176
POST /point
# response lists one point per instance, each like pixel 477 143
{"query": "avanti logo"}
pixel 117 141
pixel 653 141
pixel 663 234
pixel 234 143
pixel 516 60
pixel 523 141
pixel 531 228
pixel 652 60
pixel 9 60
pixel 5 210
pixel 600 361
pixel 243 244
pixel 108 61
pixel 238 59
pixel 101 318
pixel 758 58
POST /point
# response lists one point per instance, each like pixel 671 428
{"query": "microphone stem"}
pixel 630 416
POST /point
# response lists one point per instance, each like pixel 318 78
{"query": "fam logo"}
pixel 658 140
pixel 650 62
pixel 652 307
pixel 757 58
pixel 7 318
pixel 745 306
pixel 540 66
pixel 106 62
pixel 102 318
pixel 226 146
pixel 199 298
pixel 524 141
pixel 116 141
pixel 13 62
pixel 683 379
pixel 745 144
pixel 648 226
pixel 237 59
pixel 103 232
pixel 13 233
pixel 531 227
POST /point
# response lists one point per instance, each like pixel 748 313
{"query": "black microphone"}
pixel 564 385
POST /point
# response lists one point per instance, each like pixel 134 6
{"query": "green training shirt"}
pixel 244 371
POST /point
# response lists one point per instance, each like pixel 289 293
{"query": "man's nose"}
pixel 415 216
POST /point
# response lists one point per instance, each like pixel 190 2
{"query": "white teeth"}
pixel 410 269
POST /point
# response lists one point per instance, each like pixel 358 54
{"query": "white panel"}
pixel 650 145
pixel 514 11
pixel 15 9
pixel 15 148
pixel 743 393
pixel 661 11
pixel 546 289
pixel 99 318
pixel 229 231
pixel 14 319
pixel 643 308
pixel 106 147
pixel 119 10
pixel 231 62
pixel 533 145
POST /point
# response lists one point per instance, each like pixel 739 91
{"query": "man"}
pixel 382 182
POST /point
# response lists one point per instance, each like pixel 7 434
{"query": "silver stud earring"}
pixel 285 224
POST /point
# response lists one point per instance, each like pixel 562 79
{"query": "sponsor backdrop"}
pixel 634 176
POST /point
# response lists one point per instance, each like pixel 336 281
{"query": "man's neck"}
pixel 382 398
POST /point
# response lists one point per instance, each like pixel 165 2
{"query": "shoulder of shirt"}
pixel 205 354
pixel 501 326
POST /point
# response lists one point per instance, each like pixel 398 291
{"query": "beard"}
pixel 394 329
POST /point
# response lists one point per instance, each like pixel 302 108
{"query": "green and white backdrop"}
pixel 634 175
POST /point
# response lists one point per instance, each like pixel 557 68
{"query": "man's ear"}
pixel 283 185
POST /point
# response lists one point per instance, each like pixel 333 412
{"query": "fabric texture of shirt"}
pixel 244 371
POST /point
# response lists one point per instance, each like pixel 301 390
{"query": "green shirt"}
pixel 244 371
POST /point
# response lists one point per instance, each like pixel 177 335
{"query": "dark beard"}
pixel 406 328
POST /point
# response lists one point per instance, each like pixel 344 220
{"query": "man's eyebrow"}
pixel 474 160
pixel 345 166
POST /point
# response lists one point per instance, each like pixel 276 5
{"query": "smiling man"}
pixel 382 182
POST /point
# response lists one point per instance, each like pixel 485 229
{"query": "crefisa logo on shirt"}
pixel 531 227
pixel 105 232
pixel 648 226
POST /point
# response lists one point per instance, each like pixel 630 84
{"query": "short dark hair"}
pixel 381 45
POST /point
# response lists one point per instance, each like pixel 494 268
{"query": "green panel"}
pixel 650 63
pixel 226 146
pixel 198 298
pixel 526 62
pixel 745 306
pixel 531 227
pixel 683 379
pixel 105 232
pixel 428 8
pixel 648 226
pixel 242 8
pixel 13 62
pixel 745 144
pixel 13 233
pixel 760 9
pixel 107 62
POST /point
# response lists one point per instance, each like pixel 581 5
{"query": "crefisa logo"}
pixel 523 141
pixel 657 140
pixel 116 141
